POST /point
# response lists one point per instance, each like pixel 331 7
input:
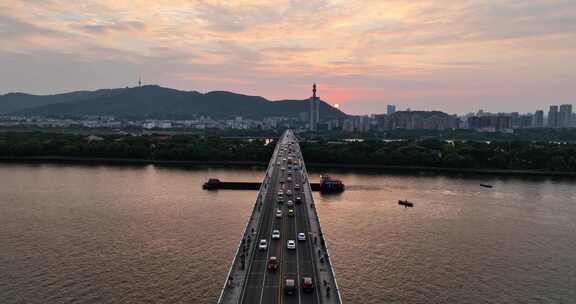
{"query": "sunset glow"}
pixel 456 56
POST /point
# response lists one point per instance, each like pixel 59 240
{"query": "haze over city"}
pixel 454 56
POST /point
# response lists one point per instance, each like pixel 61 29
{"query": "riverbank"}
pixel 128 161
pixel 364 167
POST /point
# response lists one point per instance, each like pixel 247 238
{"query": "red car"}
pixel 307 285
pixel 273 263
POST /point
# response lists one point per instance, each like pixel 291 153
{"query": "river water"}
pixel 148 234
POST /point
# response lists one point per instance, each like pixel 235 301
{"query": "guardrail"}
pixel 322 240
pixel 261 194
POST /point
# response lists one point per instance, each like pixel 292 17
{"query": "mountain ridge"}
pixel 152 101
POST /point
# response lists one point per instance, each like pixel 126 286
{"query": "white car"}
pixel 301 236
pixel 289 192
pixel 275 234
pixel 290 204
pixel 278 213
pixel 291 244
pixel 263 245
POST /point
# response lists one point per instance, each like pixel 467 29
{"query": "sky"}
pixel 457 56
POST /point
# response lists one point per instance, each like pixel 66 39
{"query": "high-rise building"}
pixel 553 117
pixel 515 120
pixel 391 109
pixel 539 119
pixel 526 121
pixel 504 121
pixel 314 110
pixel 565 116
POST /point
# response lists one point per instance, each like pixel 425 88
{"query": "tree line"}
pixel 472 154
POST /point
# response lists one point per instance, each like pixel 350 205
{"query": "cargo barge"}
pixel 327 185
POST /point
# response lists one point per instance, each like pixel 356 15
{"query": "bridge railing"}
pixel 236 263
pixel 323 243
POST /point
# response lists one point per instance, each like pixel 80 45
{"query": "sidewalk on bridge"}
pixel 329 288
pixel 232 289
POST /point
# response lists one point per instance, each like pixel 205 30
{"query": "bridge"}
pixel 282 256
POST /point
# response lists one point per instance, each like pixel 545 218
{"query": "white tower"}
pixel 314 110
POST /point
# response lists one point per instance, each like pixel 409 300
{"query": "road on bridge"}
pixel 288 182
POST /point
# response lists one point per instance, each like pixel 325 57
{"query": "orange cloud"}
pixel 374 42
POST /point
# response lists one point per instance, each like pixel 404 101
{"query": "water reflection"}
pixel 133 234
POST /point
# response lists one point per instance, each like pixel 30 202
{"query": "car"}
pixel 290 212
pixel 301 236
pixel 290 204
pixel 298 200
pixel 280 200
pixel 289 172
pixel 278 213
pixel 272 263
pixel 289 192
pixel 307 284
pixel 275 234
pixel 263 245
pixel 289 179
pixel 297 187
pixel 291 244
pixel 290 286
pixel 282 168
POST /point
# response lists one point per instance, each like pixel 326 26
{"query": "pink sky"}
pixel 455 56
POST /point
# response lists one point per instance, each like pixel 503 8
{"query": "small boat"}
pixel 486 186
pixel 211 184
pixel 405 203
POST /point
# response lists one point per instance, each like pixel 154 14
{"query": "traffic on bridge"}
pixel 282 257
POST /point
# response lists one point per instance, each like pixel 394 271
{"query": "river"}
pixel 150 234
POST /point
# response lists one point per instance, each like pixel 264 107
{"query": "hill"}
pixel 155 102
pixel 14 102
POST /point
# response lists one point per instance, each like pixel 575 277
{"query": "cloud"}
pixel 11 28
pixel 369 51
pixel 125 26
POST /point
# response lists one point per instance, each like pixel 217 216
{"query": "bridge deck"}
pixel 249 280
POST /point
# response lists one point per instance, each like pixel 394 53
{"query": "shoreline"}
pixel 367 167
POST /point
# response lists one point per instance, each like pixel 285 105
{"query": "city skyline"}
pixel 456 57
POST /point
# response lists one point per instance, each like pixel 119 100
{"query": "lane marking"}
pixel 309 226
pixel 249 272
pixel 297 254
